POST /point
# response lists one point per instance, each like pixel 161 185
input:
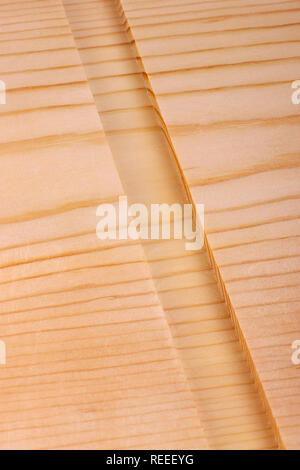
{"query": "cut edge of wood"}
pixel 242 340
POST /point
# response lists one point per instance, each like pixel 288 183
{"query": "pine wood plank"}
pixel 221 73
pixel 90 358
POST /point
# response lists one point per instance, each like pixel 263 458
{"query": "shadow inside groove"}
pixel 229 405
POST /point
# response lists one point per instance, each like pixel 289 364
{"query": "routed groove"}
pixel 229 405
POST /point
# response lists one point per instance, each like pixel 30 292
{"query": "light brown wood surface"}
pixel 126 344
pixel 90 358
pixel 221 73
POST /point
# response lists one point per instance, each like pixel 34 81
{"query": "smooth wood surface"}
pixel 90 359
pixel 121 344
pixel 221 73
pixel 229 406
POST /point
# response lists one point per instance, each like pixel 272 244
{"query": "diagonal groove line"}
pixel 126 30
pixel 237 328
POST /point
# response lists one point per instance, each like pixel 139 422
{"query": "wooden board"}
pixel 90 359
pixel 221 73
pixel 119 344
